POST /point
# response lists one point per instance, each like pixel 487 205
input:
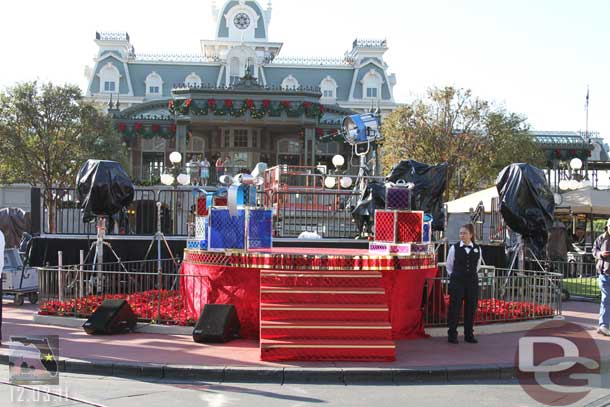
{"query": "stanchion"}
pixel 60 275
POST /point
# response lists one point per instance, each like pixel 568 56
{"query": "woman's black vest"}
pixel 465 264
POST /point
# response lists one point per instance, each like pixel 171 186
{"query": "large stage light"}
pixel 360 128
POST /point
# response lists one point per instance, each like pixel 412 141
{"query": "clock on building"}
pixel 241 21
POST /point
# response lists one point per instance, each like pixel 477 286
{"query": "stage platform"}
pixel 314 303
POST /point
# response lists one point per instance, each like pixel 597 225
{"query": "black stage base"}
pixel 133 248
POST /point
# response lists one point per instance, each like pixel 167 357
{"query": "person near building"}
pixel 463 263
pixel 192 170
pixel 219 167
pixel 204 167
pixel 227 164
pixel 601 252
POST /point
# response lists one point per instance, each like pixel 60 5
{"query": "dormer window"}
pixel 154 84
pixel 371 85
pixel 193 80
pixel 328 87
pixel 290 83
pixel 109 78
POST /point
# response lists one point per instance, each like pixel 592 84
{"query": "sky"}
pixel 532 57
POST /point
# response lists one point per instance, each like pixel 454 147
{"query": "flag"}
pixel 587 99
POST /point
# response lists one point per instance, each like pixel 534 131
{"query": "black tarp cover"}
pixel 526 203
pixel 429 185
pixel 103 188
pixel 430 182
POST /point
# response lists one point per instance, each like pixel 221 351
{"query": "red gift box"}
pixel 399 226
pixel 202 206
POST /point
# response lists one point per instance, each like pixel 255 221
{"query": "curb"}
pixel 284 375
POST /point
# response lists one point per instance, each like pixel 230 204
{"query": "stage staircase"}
pixel 325 316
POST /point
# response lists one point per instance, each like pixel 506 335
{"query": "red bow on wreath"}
pixel 228 103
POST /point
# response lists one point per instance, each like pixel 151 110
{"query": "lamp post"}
pixel 173 178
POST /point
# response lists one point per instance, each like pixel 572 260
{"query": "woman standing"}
pixel 463 263
pixel 204 166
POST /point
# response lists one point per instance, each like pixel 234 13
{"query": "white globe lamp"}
pixel 330 182
pixel 183 179
pixel 573 184
pixel 346 182
pixel 167 179
pixel 338 160
pixel 564 184
pixel 175 157
pixel 576 163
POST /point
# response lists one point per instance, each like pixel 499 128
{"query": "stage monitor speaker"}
pixel 112 317
pixel 217 323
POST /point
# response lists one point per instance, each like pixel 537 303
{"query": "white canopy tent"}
pixel 585 200
pixel 463 204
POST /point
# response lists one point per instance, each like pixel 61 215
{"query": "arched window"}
pixel 328 87
pixel 371 85
pixel 234 70
pixel 290 82
pixel 154 84
pixel 192 80
pixel 109 78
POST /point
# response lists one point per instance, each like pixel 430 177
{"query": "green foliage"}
pixel 451 125
pixel 47 132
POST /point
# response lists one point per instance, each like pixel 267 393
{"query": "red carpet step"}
pixel 329 350
pixel 324 315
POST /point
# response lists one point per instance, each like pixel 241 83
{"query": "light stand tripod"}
pixel 158 238
pixel 97 248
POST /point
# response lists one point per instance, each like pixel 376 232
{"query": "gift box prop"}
pixel 398 195
pixel 239 225
pixel 394 226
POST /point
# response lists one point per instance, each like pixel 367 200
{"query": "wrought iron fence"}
pixel 504 296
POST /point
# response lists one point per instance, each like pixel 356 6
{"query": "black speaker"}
pixel 217 323
pixel 112 317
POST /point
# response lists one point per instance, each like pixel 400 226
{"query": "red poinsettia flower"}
pixel 137 126
pixel 286 104
pixel 211 102
pixel 558 153
pixel 321 109
pixel 249 103
pixel 188 102
pixel 228 103
pixel 156 128
pixel 266 103
pixel 122 127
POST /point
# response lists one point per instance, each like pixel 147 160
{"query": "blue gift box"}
pixel 200 244
pixel 260 228
pixel 228 232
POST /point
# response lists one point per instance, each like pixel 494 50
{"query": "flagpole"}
pixel 587 133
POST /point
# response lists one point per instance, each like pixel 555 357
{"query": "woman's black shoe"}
pixel 452 340
pixel 471 339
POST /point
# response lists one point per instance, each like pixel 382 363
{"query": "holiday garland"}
pixel 257 110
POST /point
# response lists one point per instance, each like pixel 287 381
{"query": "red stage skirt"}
pixel 218 278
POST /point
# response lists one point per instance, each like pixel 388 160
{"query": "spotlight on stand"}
pixel 360 130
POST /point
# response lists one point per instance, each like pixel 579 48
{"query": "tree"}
pixel 46 133
pixel 451 125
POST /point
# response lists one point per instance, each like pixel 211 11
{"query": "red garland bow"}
pixel 122 127
pixel 156 128
pixel 228 103
pixel 266 103
pixel 138 126
pixel 211 102
pixel 188 102
pixel 249 102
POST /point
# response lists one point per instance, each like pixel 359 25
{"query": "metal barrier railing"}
pixel 504 296
pixel 327 213
pixel 579 278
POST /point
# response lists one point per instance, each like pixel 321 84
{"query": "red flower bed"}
pixel 490 310
pixel 144 304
